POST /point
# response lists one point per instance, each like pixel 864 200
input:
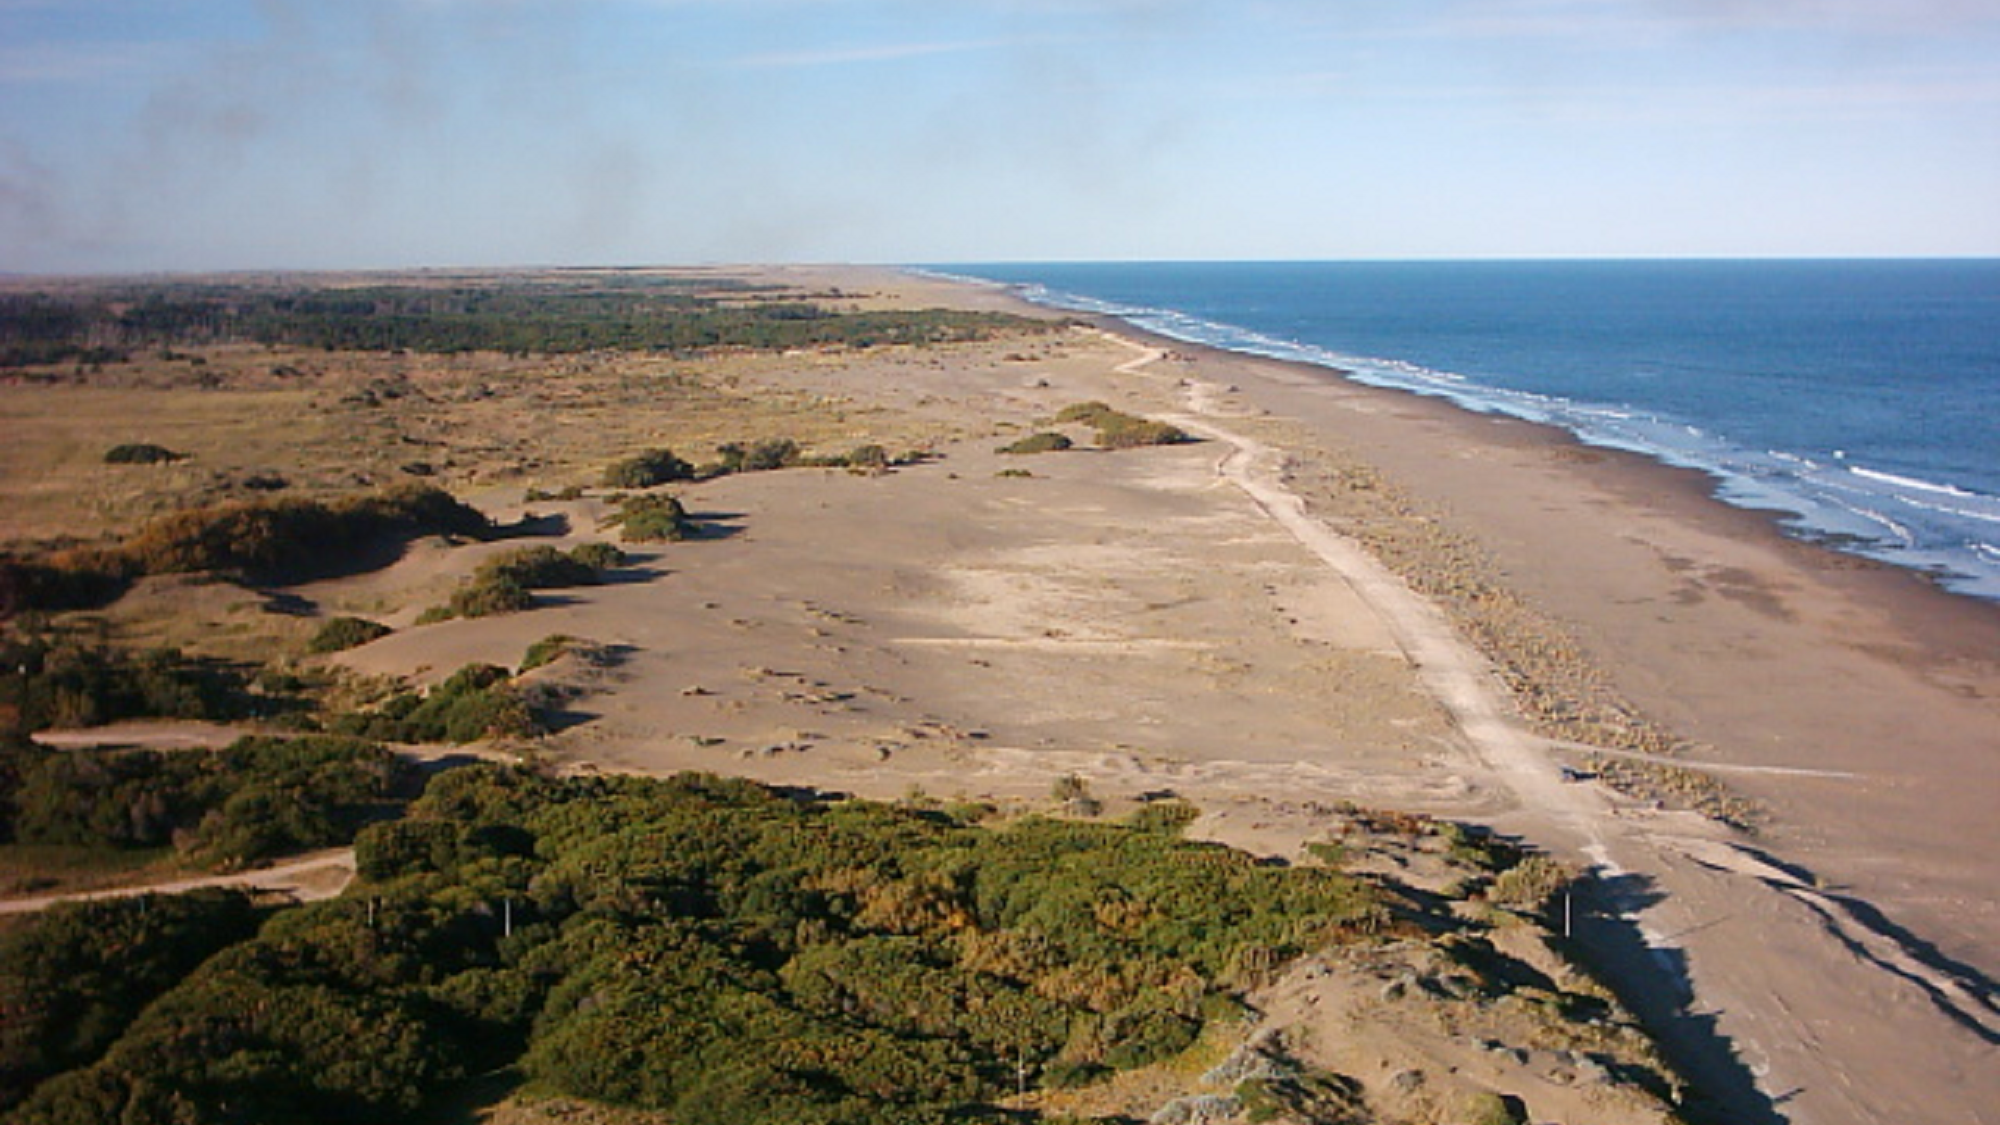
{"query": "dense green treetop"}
pixel 717 950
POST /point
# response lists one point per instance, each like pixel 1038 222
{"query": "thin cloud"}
pixel 23 64
pixel 1649 22
pixel 880 52
pixel 1648 104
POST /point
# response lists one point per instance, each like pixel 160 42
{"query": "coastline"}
pixel 1915 496
pixel 1855 702
pixel 1651 619
pixel 1337 596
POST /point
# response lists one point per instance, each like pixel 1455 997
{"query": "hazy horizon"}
pixel 242 135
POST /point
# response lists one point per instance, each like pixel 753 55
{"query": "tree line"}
pixel 110 324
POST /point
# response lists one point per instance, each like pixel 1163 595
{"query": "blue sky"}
pixel 203 134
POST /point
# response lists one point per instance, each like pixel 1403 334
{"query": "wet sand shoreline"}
pixel 1933 649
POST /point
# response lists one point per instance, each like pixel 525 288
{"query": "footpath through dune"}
pixel 309 878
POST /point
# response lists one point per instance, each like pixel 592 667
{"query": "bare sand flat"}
pixel 1203 619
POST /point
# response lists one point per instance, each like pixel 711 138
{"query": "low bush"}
pixel 758 457
pixel 481 598
pixel 1085 413
pixel 546 651
pixel 141 453
pixel 1046 442
pixel 343 633
pixel 644 470
pixel 599 557
pixel 478 701
pixel 1532 884
pixel 536 568
pixel 1132 433
pixel 644 519
pixel 1116 430
pixel 1486 1108
pixel 868 459
pixel 502 583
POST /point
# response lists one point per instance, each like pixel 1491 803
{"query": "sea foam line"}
pixel 1818 498
pixel 1908 482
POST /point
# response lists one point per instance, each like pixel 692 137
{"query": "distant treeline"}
pixel 109 324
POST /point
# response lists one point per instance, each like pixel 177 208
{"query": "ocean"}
pixel 1859 400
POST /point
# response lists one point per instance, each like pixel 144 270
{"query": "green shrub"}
pixel 1072 792
pixel 759 457
pixel 342 633
pixel 478 701
pixel 73 977
pixel 502 583
pixel 1131 433
pixel 1047 442
pixel 644 470
pixel 1495 1109
pixel 546 651
pixel 319 1019
pixel 1293 1092
pixel 1145 1034
pixel 1170 817
pixel 599 557
pixel 63 683
pixel 141 453
pixel 482 597
pixel 645 519
pixel 257 798
pixel 1117 430
pixel 1085 413
pixel 1532 884
pixel 536 568
pixel 867 459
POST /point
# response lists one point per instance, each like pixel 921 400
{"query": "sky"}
pixel 143 135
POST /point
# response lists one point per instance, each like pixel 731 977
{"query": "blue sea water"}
pixel 1860 399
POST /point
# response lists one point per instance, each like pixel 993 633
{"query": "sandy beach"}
pixel 1337 594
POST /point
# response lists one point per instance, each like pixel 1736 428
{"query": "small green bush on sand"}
pixel 644 519
pixel 342 633
pixel 546 651
pixel 478 701
pixel 644 470
pixel 1046 442
pixel 502 583
pixel 141 453
pixel 1116 430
